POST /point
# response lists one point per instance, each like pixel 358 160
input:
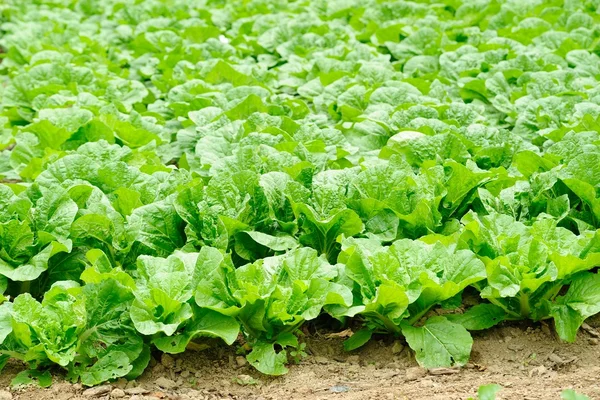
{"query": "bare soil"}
pixel 526 359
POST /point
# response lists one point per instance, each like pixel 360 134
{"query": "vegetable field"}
pixel 241 177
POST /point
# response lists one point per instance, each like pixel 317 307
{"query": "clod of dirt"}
pixel 193 395
pixel 241 361
pixel 121 383
pixel 167 361
pixel 97 391
pixel 593 332
pixel 559 361
pixel 178 364
pixel 244 380
pixel 117 393
pixel 546 330
pixel 321 360
pixel 397 347
pixel 131 384
pixel 165 383
pixel 555 358
pixel 539 371
pixel 476 367
pixel 4 395
pixel 428 383
pixel 444 371
pixel 515 347
pixel 353 359
pixel 136 390
pixel 388 374
pixel 414 373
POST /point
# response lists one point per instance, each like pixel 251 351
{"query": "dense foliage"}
pixel 176 170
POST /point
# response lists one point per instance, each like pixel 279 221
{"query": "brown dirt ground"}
pixel 526 359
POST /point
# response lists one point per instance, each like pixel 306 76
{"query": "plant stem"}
pixel 525 308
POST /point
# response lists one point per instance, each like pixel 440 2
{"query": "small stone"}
pixel 397 347
pixel 321 360
pixel 414 373
pixel 138 397
pixel 117 393
pixel 5 395
pixel 353 359
pixel 165 383
pixel 97 391
pixel 185 373
pixel 241 361
pixel 594 341
pixel 167 361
